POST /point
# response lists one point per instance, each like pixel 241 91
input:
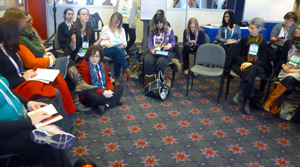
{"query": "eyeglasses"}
pixel 84 14
pixel 290 20
pixel 252 28
pixel 95 56
pixel 30 20
pixel 226 16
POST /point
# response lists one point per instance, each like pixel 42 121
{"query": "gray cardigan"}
pixel 276 30
pixel 134 12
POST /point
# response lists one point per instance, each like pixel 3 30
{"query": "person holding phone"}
pixel 193 37
pixel 281 33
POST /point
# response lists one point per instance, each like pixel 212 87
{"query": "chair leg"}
pixel 192 74
pixel 221 86
pixel 187 83
pixel 227 86
pixel 173 74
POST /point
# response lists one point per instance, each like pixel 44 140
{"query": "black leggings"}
pixel 290 83
pixel 132 36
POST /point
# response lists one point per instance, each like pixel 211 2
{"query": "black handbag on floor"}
pixel 158 89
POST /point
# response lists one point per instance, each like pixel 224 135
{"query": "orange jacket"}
pixel 30 61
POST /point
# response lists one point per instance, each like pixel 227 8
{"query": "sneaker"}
pixel 186 72
pixel 54 136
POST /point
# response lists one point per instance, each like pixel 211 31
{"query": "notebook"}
pixel 50 109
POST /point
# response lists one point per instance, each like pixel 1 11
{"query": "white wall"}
pixel 176 17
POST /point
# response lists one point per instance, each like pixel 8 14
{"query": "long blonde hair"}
pixel 194 21
pixel 116 17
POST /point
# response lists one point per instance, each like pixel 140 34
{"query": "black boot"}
pixel 236 98
pixel 100 109
pixel 245 108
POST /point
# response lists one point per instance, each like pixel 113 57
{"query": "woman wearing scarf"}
pixel 289 76
pixel 250 61
pixel 94 72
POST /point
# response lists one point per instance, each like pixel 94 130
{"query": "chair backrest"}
pixel 207 39
pixel 56 45
pixel 212 54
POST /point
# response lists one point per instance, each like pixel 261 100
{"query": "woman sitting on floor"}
pixel 94 71
pixel 161 37
pixel 11 67
pixel 115 46
pixel 250 61
pixel 289 76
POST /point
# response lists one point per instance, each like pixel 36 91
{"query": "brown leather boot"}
pixel 277 93
pixel 80 85
pixel 78 105
pixel 117 80
pixel 129 74
pixel 275 108
pixel 148 79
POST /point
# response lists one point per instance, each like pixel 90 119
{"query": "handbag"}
pixel 158 89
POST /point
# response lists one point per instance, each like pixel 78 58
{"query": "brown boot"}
pixel 117 80
pixel 148 79
pixel 276 106
pixel 277 93
pixel 78 105
pixel 80 85
pixel 129 74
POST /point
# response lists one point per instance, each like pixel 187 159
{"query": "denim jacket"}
pixel 224 34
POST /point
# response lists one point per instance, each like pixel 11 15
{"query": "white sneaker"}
pixel 52 135
pixel 186 72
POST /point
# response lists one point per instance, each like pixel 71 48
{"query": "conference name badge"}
pixel 85 46
pixel 253 49
pixel 294 60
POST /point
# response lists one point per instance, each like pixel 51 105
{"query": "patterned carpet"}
pixel 185 131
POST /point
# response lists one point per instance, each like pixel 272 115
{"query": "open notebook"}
pixel 45 75
pixel 50 109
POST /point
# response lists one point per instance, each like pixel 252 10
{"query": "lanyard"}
pixel 10 102
pixel 163 38
pixel 68 25
pixel 226 33
pixel 195 38
pixel 13 61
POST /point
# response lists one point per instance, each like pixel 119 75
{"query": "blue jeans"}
pixel 118 56
pixel 154 64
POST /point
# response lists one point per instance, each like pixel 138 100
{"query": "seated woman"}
pixel 161 37
pixel 18 136
pixel 229 33
pixel 250 61
pixel 83 36
pixel 34 55
pixel 289 76
pixel 11 67
pixel 93 70
pixel 193 37
pixel 64 29
pixel 282 32
pixel 114 47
